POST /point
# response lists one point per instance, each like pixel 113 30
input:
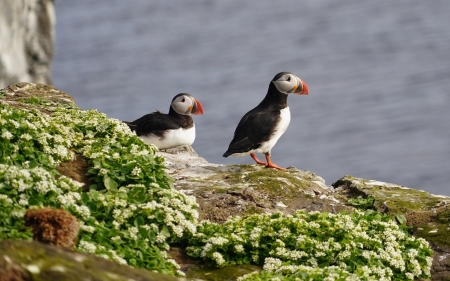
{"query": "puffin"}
pixel 172 129
pixel 260 128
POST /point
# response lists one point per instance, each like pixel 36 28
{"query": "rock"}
pixel 27 30
pixel 28 94
pixel 26 260
pixel 237 190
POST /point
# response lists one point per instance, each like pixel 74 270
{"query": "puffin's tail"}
pixel 226 154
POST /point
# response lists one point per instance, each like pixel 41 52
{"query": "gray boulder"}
pixel 27 30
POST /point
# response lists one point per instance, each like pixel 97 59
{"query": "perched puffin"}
pixel 172 129
pixel 261 127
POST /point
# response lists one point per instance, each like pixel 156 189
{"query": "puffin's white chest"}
pixel 283 123
pixel 171 138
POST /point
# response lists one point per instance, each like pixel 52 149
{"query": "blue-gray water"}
pixel 378 74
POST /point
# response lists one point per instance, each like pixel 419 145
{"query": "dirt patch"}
pixel 76 170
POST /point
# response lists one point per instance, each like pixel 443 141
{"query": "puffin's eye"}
pixel 183 100
pixel 289 78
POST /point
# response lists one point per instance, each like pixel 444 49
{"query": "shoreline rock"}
pixel 237 190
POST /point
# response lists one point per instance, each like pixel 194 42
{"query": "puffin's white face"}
pixel 291 84
pixel 186 105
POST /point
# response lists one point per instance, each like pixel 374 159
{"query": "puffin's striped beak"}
pixel 302 88
pixel 197 108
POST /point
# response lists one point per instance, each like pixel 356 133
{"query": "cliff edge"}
pixel 187 181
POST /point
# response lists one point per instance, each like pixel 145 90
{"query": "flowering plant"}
pixel 359 245
pixel 130 214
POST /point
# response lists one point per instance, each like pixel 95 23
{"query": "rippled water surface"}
pixel 378 74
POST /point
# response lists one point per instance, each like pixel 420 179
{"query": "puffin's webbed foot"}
pixel 272 165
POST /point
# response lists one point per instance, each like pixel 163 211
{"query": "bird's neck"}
pixel 274 98
pixel 184 119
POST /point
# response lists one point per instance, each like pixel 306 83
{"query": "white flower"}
pixel 116 257
pixel 87 247
pixel 6 135
pixel 133 231
pixel 239 248
pixel 160 238
pixel 26 136
pixel 136 171
pixel 217 241
pixel 6 199
pixel 88 228
pixel 272 264
pixel 218 258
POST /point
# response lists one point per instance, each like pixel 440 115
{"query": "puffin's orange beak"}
pixel 197 108
pixel 302 89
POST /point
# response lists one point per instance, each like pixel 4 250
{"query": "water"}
pixel 378 74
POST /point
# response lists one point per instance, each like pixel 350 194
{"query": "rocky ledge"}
pixel 229 190
pixel 225 190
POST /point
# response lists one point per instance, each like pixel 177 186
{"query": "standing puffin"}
pixel 261 127
pixel 172 129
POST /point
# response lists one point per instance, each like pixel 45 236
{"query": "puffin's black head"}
pixel 186 104
pixel 289 83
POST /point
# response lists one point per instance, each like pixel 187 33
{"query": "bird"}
pixel 260 128
pixel 169 130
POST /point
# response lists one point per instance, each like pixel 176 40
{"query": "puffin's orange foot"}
pixel 274 166
pixel 257 160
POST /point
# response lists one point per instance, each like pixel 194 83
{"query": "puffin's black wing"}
pixel 254 128
pixel 154 123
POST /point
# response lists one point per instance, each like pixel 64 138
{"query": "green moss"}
pixel 271 182
pixel 44 262
pixel 436 231
pixel 397 199
pixel 252 210
pixel 402 200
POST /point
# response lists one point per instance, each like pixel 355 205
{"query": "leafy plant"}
pixel 315 245
pixel 131 212
pixel 362 203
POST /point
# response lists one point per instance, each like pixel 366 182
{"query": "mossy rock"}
pixel 29 260
pixel 31 95
pixel 427 214
pixel 237 190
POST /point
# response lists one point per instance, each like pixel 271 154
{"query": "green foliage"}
pixel 359 245
pixel 401 219
pixel 362 203
pixel 131 212
pixel 36 101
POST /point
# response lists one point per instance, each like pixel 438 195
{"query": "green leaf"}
pixel 401 219
pixel 109 183
pixel 138 194
pixel 165 231
pixel 139 221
